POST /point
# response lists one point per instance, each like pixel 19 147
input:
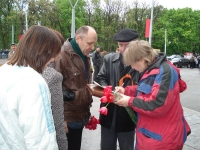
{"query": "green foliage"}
pixel 107 17
pixel 65 11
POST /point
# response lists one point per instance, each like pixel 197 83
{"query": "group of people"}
pixel 45 101
pixel 195 62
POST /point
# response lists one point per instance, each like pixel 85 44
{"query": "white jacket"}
pixel 26 120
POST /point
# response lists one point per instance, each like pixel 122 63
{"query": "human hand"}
pixel 123 101
pixel 119 89
pixel 65 126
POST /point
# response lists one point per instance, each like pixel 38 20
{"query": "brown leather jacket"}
pixel 71 66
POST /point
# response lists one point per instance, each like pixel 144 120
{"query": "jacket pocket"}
pixel 150 134
pixel 76 79
pixel 76 74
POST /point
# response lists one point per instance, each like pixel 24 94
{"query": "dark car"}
pixel 179 62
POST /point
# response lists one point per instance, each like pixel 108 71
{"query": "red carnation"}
pixel 92 123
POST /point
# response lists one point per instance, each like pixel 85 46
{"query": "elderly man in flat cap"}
pixel 13 47
pixel 117 125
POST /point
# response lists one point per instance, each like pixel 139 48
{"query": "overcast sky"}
pixel 194 4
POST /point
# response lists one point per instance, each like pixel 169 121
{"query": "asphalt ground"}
pixel 2 61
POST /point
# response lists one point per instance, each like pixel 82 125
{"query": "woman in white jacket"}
pixel 26 120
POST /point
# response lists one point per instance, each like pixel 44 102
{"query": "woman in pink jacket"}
pixel 156 99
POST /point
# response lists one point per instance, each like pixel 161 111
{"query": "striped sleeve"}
pixel 155 94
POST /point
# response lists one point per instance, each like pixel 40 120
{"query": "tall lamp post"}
pixel 26 13
pixel 73 19
pixel 151 22
pixel 13 34
pixel 165 40
pixel 25 10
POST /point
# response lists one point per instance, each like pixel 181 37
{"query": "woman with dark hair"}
pixel 54 80
pixel 156 99
pixel 26 119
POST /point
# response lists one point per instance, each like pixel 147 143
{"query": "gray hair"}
pixel 137 50
pixel 83 30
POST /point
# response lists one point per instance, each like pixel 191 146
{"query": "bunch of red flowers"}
pixel 109 97
pixel 92 123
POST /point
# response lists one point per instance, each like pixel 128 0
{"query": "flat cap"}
pixel 126 35
pixel 12 44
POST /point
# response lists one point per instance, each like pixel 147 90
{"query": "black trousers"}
pixel 109 139
pixel 74 137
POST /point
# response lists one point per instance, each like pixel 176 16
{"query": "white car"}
pixel 173 56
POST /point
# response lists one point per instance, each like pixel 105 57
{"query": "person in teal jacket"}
pixel 156 99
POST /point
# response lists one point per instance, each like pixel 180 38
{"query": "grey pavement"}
pixel 2 61
pixel 191 97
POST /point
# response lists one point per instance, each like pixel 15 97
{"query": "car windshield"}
pixel 172 56
pixel 178 56
pixel 175 59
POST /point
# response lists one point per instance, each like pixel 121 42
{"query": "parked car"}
pixel 173 56
pixel 179 62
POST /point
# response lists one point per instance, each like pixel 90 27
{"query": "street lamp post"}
pixel 165 40
pixel 13 34
pixel 26 20
pixel 25 10
pixel 73 19
pixel 151 22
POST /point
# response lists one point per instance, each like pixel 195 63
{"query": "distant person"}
pixel 102 57
pixel 156 99
pixel 117 125
pixel 74 65
pixel 13 47
pixel 54 80
pixel 192 62
pixel 198 61
pixel 96 59
pixel 26 116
